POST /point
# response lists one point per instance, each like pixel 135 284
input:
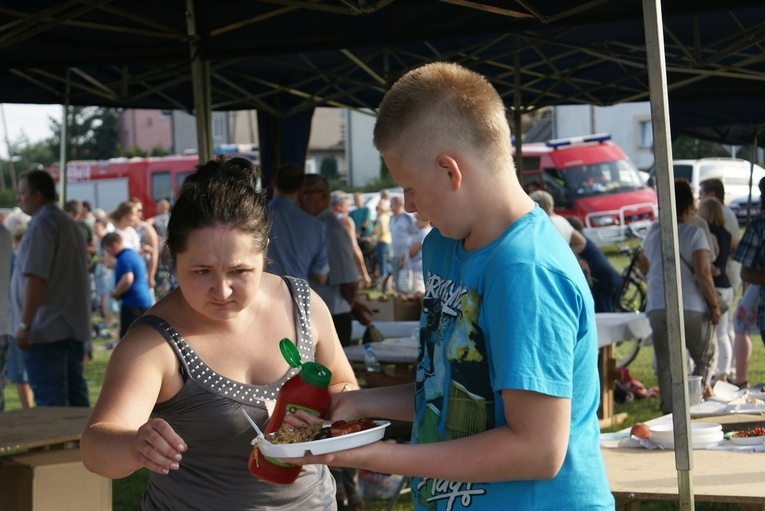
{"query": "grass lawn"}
pixel 127 492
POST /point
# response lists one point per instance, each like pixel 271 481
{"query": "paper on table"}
pixel 726 392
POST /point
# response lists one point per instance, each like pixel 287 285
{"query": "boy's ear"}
pixel 450 168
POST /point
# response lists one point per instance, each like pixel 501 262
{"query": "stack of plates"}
pixel 703 435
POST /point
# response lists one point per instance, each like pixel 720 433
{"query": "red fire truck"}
pixel 592 179
pixel 106 183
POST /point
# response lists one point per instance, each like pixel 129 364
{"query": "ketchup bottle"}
pixel 308 391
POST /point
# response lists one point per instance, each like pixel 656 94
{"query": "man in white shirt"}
pixel 715 188
pixel 402 230
pixel 574 238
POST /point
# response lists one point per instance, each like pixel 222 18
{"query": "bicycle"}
pixel 631 297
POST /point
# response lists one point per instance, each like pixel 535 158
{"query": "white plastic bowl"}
pixel 747 440
pixel 703 434
pixel 707 441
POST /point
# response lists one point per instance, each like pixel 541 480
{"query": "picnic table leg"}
pixel 607 375
pixel 627 505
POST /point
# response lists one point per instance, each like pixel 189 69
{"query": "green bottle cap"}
pixel 290 353
pixel 315 374
pixel 312 373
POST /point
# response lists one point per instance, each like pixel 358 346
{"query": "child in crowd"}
pixel 102 273
pixel 131 286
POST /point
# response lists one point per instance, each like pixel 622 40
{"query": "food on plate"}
pixel 312 432
pixel 748 433
pixel 294 435
pixel 340 428
pixel 641 430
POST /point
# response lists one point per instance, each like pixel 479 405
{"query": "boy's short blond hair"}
pixel 449 105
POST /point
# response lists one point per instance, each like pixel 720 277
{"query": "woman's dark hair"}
pixel 683 196
pixel 221 192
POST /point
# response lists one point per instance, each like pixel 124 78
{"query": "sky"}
pixel 30 120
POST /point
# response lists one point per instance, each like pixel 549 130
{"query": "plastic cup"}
pixel 694 390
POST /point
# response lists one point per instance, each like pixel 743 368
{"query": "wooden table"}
pixel 400 353
pixel 398 357
pixel 718 476
pixel 612 328
pixel 40 464
pixel 41 427
pixel 389 329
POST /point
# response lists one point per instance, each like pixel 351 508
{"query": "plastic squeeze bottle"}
pixel 309 391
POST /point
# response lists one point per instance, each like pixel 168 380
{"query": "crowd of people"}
pixel 506 378
pixel 715 263
pixel 491 277
pixel 62 268
pixel 714 266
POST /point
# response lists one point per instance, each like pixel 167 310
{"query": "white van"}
pixel 733 172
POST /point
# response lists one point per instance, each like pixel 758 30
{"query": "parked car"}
pixel 592 179
pixel 739 207
pixel 734 173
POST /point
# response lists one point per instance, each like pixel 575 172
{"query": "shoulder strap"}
pixel 683 259
pixel 301 297
pixel 182 350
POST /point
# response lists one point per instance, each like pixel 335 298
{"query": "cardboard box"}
pixel 406 311
pixel 391 308
pixel 47 480
pixel 382 308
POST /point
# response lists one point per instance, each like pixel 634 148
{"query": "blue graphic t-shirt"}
pixel 516 314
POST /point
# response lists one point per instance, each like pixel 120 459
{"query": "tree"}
pixel 26 156
pixel 689 148
pixel 43 153
pixel 131 152
pixel 92 132
pixel 328 168
pixel 159 150
pixel 745 152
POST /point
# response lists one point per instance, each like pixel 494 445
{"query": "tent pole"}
pixel 517 112
pixel 751 179
pixel 63 146
pixel 657 79
pixel 751 168
pixel 200 76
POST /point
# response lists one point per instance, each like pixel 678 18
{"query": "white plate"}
pixel 709 441
pixel 324 446
pixel 745 407
pixel 700 431
pixel 747 440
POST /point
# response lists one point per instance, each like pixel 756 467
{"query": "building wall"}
pixel 344 135
pixel 185 130
pixel 327 138
pixel 629 125
pixel 363 157
pixel 243 127
pixel 146 129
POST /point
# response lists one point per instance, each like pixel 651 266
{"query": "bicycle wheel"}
pixel 625 351
pixel 633 296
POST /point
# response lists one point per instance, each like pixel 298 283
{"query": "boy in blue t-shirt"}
pixel 504 406
pixel 131 283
